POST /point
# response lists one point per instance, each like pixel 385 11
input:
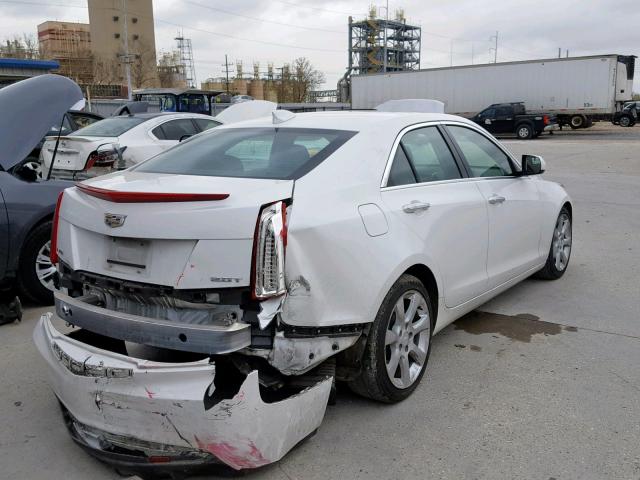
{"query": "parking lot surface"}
pixel 543 382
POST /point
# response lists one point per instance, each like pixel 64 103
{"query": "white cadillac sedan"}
pixel 219 289
pixel 118 142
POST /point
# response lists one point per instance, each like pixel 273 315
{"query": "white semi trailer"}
pixel 577 90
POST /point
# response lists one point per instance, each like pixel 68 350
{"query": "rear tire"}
pixel 560 250
pixel 34 266
pixel 398 344
pixel 524 131
pixel 577 121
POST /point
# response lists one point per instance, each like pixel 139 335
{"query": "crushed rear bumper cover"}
pixel 135 413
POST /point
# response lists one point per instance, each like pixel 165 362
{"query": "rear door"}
pixel 512 201
pixel 429 198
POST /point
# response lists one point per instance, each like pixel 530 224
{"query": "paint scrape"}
pixel 238 456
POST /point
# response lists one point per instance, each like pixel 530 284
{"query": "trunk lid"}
pixel 73 151
pixel 182 244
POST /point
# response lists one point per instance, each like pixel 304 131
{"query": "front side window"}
pixel 110 127
pixel 488 113
pixel 503 111
pixel 423 156
pixel 483 157
pixel 277 153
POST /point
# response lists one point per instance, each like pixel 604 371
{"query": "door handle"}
pixel 496 199
pixel 415 206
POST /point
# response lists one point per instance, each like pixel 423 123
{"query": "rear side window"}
pixel 175 129
pixel 278 153
pixel 483 157
pixel 205 124
pixel 84 120
pixel 110 127
pixel 422 156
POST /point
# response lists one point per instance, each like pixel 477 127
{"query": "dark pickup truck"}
pixel 512 118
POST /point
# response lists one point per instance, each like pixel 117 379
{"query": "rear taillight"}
pixel 101 159
pixel 54 231
pixel 268 252
pixel 545 119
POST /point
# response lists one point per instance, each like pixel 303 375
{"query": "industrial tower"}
pixel 186 57
pixel 383 45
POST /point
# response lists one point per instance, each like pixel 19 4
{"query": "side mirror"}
pixel 532 165
pixel 185 136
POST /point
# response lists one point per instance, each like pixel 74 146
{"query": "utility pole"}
pixel 226 67
pixel 384 50
pixel 127 59
pixel 495 49
pixel 559 52
pixel 451 53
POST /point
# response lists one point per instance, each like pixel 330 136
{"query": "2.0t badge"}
pixel 114 220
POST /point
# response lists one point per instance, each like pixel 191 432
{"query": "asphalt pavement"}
pixel 543 382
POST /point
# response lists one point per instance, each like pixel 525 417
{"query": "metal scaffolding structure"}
pixel 383 45
pixel 186 57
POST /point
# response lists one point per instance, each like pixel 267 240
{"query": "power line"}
pixel 227 12
pixel 319 8
pixel 218 34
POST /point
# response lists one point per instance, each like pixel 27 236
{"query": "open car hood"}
pixel 29 109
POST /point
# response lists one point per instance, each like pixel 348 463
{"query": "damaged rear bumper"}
pixel 139 413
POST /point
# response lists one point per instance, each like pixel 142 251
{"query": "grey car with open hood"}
pixel 30 108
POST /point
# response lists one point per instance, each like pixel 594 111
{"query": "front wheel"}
pixel 524 131
pixel 560 251
pixel 625 121
pixel 398 345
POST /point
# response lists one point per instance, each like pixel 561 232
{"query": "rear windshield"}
pixel 110 127
pixel 278 153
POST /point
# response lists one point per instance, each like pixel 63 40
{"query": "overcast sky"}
pixel 280 30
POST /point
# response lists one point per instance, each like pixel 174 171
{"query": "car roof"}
pixel 150 115
pixel 355 120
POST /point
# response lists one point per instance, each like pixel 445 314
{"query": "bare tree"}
pixel 305 78
pixel 106 72
pixel 144 71
pixel 25 46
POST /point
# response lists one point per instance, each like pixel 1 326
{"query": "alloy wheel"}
pixel 44 268
pixel 562 242
pixel 407 339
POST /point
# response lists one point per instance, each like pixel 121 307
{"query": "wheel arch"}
pixel 428 279
pixel 25 234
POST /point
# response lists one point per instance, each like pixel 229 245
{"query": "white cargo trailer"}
pixel 576 89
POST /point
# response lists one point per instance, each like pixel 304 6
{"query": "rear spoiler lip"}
pixel 117 196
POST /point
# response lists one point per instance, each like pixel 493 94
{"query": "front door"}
pixel 446 214
pixel 512 202
pixel 4 231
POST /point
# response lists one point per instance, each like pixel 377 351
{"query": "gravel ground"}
pixel 543 382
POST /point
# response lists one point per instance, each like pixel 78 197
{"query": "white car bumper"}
pixel 143 414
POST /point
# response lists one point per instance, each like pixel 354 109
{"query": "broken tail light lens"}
pixel 53 254
pixel 108 155
pixel 268 253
